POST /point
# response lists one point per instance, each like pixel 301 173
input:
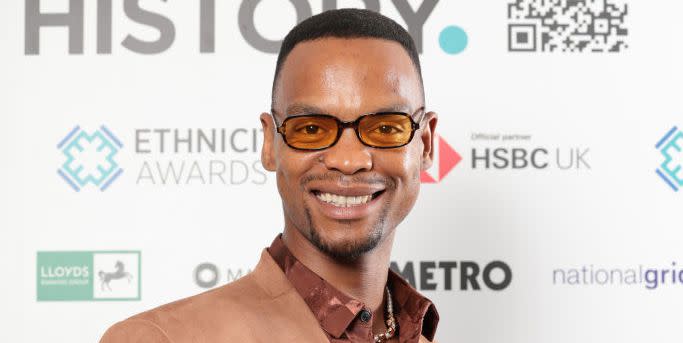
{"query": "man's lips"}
pixel 344 203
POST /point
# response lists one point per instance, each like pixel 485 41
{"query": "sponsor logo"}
pixel 650 278
pixel 207 275
pixel 495 275
pixel 88 275
pixel 164 157
pixel 498 151
pixel 452 39
pixel 445 159
pixel 671 168
pixel 513 152
pixel 89 158
pixel 530 158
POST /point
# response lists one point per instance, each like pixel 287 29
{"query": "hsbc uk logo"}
pixel 445 158
pixel 671 168
pixel 89 158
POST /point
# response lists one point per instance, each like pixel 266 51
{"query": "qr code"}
pixel 567 25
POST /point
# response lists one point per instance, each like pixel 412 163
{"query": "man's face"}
pixel 347 78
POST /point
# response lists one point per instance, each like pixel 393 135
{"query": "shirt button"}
pixel 365 316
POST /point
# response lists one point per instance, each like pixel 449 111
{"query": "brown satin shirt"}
pixel 340 315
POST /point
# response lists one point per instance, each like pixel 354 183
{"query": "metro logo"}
pixel 445 158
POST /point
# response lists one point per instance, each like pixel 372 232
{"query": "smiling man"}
pixel 347 137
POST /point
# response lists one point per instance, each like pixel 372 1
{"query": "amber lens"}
pixel 385 130
pixel 310 132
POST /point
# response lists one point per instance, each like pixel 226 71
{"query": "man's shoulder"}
pixel 244 292
pixel 220 308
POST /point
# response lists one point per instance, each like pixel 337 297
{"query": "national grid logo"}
pixel 671 148
pixel 90 158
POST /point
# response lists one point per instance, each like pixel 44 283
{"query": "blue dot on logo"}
pixel 453 40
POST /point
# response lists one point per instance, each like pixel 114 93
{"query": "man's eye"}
pixel 388 129
pixel 310 129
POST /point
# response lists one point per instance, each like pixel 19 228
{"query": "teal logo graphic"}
pixel 90 158
pixel 88 275
pixel 453 40
pixel 671 148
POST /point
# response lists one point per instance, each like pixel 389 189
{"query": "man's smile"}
pixel 345 203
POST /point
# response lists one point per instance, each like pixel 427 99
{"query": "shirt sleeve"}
pixel 135 331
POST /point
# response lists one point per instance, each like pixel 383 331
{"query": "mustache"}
pixel 348 180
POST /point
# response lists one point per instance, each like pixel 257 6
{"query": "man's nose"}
pixel 349 155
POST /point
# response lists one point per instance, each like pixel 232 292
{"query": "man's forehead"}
pixel 356 74
pixel 371 53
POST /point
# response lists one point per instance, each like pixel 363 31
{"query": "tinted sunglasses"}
pixel 382 130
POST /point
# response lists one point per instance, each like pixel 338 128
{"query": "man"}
pixel 347 137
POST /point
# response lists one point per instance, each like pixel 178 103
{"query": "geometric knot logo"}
pixel 89 158
pixel 671 148
pixel 445 158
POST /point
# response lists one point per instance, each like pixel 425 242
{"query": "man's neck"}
pixel 363 279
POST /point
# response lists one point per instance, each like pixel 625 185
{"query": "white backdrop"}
pixel 609 213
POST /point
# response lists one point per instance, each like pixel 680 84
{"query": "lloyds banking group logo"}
pixel 88 275
pixel 671 168
pixel 89 158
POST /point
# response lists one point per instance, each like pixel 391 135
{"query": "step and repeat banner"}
pixel 131 171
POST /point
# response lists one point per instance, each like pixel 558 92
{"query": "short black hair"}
pixel 346 23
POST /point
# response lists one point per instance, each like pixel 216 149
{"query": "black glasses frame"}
pixel 341 125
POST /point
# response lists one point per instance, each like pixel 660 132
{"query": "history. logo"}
pixel 113 34
pixel 89 158
pixel 671 148
pixel 445 159
pixel 88 275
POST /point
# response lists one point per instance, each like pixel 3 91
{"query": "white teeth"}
pixel 343 201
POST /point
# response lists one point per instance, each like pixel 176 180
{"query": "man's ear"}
pixel 267 151
pixel 427 135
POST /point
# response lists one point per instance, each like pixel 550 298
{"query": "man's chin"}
pixel 345 248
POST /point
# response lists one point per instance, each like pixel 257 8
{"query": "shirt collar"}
pixel 337 313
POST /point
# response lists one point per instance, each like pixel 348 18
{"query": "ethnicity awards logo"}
pixel 89 158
